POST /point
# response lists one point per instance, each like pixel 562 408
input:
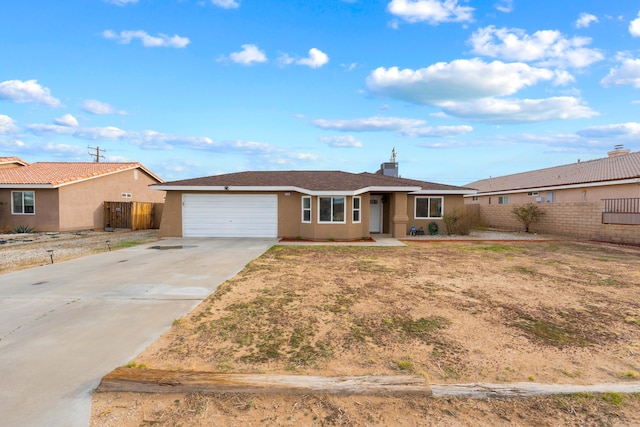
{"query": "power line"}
pixel 97 156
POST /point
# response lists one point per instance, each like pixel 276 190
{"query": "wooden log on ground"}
pixel 160 381
pixel 484 390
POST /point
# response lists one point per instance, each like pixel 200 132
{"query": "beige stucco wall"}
pixel 171 223
pixel 571 195
pixel 451 203
pixel 397 216
pixel 46 217
pixel 289 218
pixel 79 206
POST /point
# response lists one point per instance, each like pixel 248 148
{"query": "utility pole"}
pixel 97 154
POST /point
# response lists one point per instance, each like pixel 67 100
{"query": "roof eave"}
pixel 220 188
pixel 560 187
pixel 27 186
pixel 453 192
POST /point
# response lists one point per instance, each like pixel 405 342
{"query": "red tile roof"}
pixel 309 180
pixel 614 168
pixel 12 161
pixel 56 174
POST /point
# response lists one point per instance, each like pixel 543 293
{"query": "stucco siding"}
pixel 81 204
pixel 451 203
pixel 45 218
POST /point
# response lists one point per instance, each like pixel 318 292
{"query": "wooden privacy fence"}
pixel 131 215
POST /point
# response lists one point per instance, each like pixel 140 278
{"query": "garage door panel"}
pixel 230 215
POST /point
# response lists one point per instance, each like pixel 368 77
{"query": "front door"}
pixel 375 214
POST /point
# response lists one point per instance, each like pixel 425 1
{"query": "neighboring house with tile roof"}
pixel 68 196
pixel 11 162
pixel 304 204
pixel 589 199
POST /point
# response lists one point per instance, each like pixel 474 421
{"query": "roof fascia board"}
pixel 27 186
pixel 284 188
pixel 463 192
pixel 561 187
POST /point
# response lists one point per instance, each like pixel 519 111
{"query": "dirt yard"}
pixel 455 312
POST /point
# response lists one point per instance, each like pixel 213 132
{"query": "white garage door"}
pixel 230 215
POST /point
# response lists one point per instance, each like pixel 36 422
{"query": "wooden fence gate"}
pixel 130 215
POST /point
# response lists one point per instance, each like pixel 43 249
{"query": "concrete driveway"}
pixel 64 326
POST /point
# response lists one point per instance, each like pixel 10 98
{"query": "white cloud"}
pixel 634 26
pixel 249 54
pixel 505 6
pixel 100 108
pixel 437 131
pixel 27 91
pixel 350 67
pixel 285 59
pixel 545 47
pixel 161 40
pixel 627 74
pixel 585 20
pixel 88 133
pixel 147 139
pixel 371 124
pixel 431 11
pixel 304 156
pixel 316 59
pixel 67 120
pixel 342 141
pixel 12 145
pixel 226 4
pixel 121 2
pixel 458 80
pixel 493 110
pixel 7 125
pixel 619 130
pixel 152 140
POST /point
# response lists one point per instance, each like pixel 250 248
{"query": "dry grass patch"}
pixel 451 311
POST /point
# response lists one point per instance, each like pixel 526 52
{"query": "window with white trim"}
pixel 357 202
pixel 549 196
pixel 428 207
pixel 331 210
pixel 503 200
pixel 23 202
pixel 306 209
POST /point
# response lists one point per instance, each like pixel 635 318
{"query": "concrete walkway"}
pixel 64 326
pixel 379 240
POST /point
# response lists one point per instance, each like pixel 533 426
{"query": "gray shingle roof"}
pixel 310 180
pixel 626 166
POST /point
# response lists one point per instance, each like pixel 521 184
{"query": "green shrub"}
pixel 23 229
pixel 527 214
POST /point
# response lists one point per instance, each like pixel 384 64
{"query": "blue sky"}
pixel 463 90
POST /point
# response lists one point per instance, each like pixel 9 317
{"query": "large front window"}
pixel 23 202
pixel 331 209
pixel 428 207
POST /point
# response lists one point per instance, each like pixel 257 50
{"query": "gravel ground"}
pixel 19 251
pixel 488 234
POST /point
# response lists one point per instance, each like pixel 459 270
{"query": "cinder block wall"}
pixel 581 220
